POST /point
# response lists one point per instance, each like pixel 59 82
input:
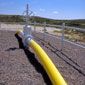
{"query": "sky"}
pixel 54 9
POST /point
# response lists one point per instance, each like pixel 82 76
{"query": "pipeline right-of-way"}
pixel 53 73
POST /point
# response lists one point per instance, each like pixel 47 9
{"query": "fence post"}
pixel 35 26
pixel 62 37
pixel 0 24
pixel 44 27
pixel 44 30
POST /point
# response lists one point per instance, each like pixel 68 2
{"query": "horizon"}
pixel 57 9
pixel 39 16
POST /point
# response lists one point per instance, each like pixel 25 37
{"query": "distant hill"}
pixel 11 18
pixel 19 18
pixel 76 23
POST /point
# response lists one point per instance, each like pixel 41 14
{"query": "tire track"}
pixel 61 55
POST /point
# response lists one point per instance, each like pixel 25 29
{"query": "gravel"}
pixel 70 61
pixel 20 66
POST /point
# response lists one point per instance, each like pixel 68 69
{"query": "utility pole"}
pixel 27 14
pixel 27 28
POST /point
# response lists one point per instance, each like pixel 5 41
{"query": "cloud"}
pixel 42 10
pixel 55 12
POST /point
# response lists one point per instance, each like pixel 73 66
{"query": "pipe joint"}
pixel 27 40
pixel 27 35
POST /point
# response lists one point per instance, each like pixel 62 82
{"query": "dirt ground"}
pixel 20 66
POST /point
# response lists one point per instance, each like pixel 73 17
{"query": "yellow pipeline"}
pixel 50 68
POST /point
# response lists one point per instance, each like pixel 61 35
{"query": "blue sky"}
pixel 55 9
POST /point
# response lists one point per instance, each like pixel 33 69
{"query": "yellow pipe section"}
pixel 50 68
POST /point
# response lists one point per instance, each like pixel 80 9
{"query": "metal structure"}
pixel 27 14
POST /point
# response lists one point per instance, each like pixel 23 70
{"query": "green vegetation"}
pixel 72 35
pixel 75 35
pixel 18 18
pixel 11 18
pixel 56 31
pixel 76 23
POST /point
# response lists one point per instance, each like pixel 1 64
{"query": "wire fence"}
pixel 55 39
pixel 68 34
